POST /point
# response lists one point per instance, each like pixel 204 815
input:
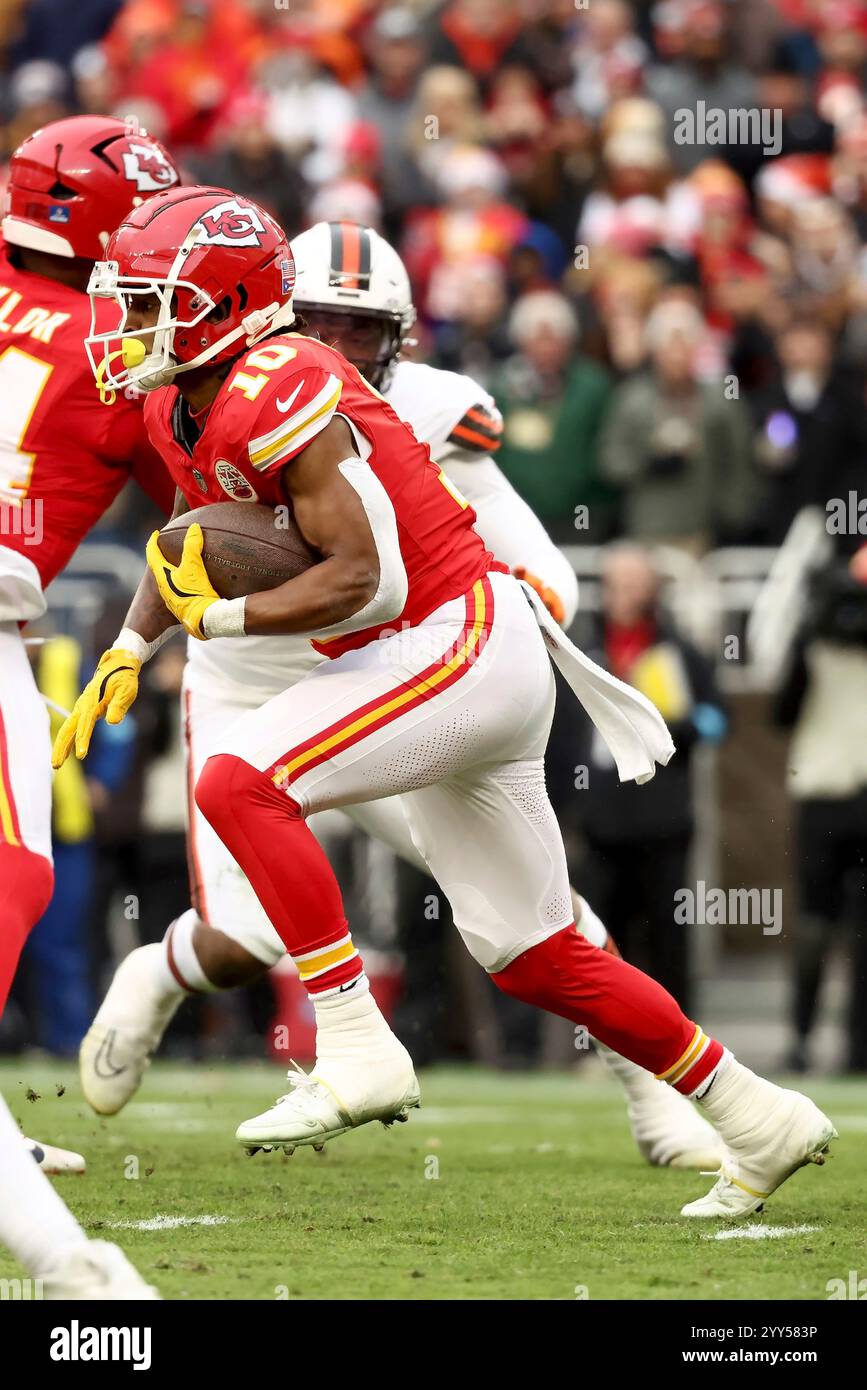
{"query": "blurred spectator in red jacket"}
pixel 189 72
pixel 474 222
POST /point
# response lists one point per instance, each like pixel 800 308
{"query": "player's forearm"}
pixel 148 622
pixel 147 617
pixel 328 594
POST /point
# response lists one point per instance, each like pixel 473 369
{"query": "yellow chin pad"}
pixel 133 352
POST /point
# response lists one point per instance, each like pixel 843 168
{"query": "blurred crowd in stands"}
pixel 674 329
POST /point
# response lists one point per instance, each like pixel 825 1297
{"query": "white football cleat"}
pixel 340 1094
pixel 97 1271
pixel 670 1133
pixel 769 1133
pixel 128 1028
pixel 56 1162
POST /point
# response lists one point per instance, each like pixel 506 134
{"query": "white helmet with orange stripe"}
pixel 353 290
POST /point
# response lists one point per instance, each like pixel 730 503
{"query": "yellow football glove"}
pixel 109 694
pixel 185 589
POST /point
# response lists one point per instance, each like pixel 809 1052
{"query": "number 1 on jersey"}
pixel 22 380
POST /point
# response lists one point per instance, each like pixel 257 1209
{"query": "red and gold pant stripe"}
pixel 315 963
pixel 443 673
pixel 695 1063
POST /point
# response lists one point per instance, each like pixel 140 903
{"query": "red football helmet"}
pixel 219 267
pixel 74 181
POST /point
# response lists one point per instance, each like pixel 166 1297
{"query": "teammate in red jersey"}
pixel 453 711
pixel 63 460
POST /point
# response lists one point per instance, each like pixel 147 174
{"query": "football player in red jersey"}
pixel 354 294
pixel 452 711
pixel 63 460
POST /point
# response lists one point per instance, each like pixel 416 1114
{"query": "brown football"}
pixel 247 547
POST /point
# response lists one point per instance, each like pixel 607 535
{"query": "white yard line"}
pixel 169 1223
pixel 762 1232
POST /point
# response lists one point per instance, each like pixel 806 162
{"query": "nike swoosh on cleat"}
pixel 283 406
pixel 105 1047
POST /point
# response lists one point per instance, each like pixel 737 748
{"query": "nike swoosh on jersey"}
pixel 283 406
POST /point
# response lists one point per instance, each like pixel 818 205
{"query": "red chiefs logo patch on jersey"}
pixel 233 482
pixel 147 167
pixel 232 224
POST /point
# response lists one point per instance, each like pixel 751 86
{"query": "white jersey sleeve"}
pixel 512 531
pixel 460 423
pixel 449 412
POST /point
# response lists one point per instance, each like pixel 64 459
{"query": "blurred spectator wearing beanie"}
pixel 537 261
pixel 553 403
pixel 637 839
pixel 678 449
pixel 476 343
pixel 346 200
pixel 828 263
pixel 842 38
pixel 248 160
pixel 810 440
pixel 785 86
pixel 735 280
pixel 309 114
pixel 447 113
pixel 395 54
pixel 515 122
pixel 701 71
pixel 622 296
pixel 37 94
pixel 608 57
pixel 479 36
pixel 787 184
pixel 640 204
pixel 94 81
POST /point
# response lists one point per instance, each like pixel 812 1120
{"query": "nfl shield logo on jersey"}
pixel 233 482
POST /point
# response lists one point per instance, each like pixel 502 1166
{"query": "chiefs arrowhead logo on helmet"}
pixel 232 224
pixel 145 165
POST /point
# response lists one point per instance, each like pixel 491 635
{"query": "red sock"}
pixel 266 833
pixel 621 1006
pixel 26 885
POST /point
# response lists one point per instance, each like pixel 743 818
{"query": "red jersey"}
pixel 275 401
pixel 64 456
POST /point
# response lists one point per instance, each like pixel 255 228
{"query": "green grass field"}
pixel 500 1187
